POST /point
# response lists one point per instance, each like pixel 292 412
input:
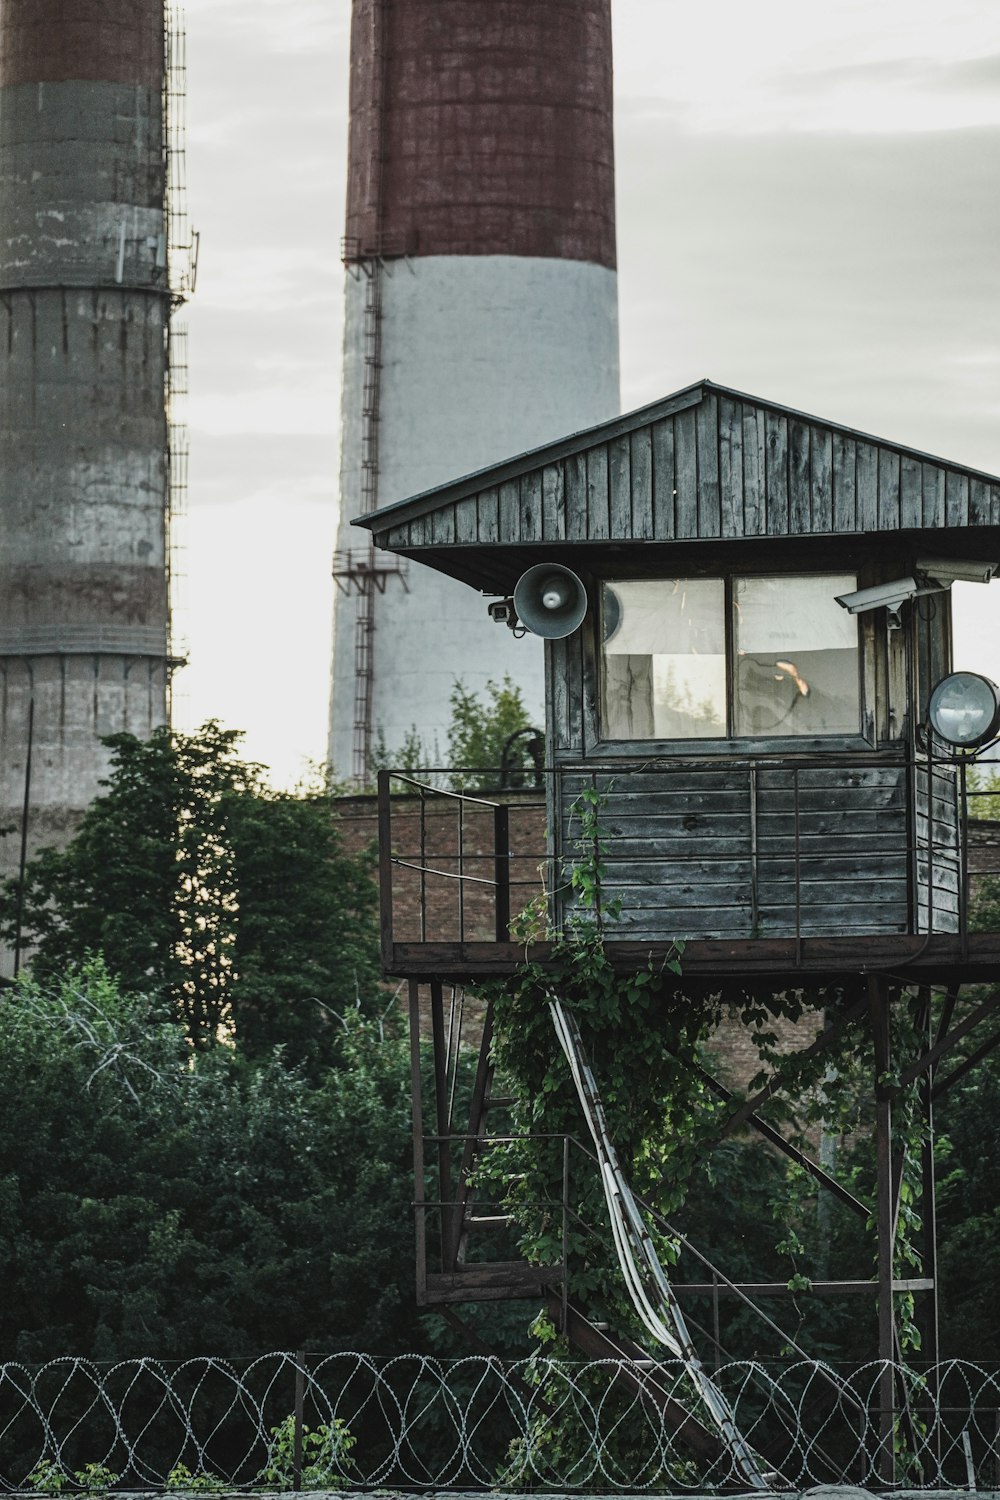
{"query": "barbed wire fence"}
pixel 326 1421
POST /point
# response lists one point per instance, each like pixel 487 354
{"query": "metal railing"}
pixel 460 842
pixel 784 846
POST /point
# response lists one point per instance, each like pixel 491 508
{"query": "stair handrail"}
pixel 634 1247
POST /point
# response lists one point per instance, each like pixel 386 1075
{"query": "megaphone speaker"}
pixel 550 600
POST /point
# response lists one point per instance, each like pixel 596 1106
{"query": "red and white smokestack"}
pixel 481 317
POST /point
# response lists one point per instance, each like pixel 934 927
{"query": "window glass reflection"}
pixel 796 668
pixel 664 659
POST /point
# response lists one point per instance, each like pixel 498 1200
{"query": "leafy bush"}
pixel 325 1456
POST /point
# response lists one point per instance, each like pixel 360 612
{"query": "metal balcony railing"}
pixel 755 847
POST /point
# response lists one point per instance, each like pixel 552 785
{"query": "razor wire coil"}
pixel 416 1422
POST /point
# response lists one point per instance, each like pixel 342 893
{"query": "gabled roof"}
pixel 703 467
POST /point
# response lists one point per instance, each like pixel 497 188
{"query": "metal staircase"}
pixel 463 1223
pixel 466 1275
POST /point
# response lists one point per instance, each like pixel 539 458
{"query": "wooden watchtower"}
pixel 767 613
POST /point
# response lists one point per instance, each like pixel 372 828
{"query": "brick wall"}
pixel 984 846
pixel 447 837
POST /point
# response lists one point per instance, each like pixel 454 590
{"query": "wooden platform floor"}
pixel 945 959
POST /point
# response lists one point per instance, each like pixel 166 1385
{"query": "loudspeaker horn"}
pixel 550 600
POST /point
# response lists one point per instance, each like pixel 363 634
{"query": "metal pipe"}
pixel 23 857
pixel 501 870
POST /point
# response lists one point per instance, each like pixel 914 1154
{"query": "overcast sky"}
pixel 807 210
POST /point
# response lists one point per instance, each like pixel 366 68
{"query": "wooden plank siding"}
pixel 663 482
pixel 731 475
pixel 722 466
pixel 554 503
pixel 753 850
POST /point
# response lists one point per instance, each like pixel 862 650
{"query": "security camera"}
pixel 884 595
pixel 502 612
pixel 947 571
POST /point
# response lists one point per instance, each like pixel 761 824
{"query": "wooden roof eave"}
pixel 494 569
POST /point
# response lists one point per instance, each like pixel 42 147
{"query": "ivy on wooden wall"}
pixel 647 1042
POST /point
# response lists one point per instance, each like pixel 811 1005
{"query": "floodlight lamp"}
pixel 964 710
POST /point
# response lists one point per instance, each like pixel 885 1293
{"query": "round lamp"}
pixel 965 710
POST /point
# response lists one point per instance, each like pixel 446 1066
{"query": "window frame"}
pixel 729 744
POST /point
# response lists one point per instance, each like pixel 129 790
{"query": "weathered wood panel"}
pixel 821 463
pixel 707 432
pixel 776 448
pixel 747 848
pixel 564 694
pixel 979 503
pixel 489 515
pixel 620 487
pixel 888 490
pixel 663 479
pixel 510 511
pixel 933 487
pixel 754 472
pixel 576 497
pixel 598 500
pixel 956 498
pixel 466 521
pixel 731 466
pixel 799 479
pixel 845 515
pixel 866 487
pixel 685 474
pixel 553 503
pixel 640 486
pixel 531 507
pixel 443 527
pixel 910 493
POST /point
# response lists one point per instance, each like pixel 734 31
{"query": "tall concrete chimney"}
pixel 481 317
pixel 84 312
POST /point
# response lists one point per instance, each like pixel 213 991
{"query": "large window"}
pixel 713 658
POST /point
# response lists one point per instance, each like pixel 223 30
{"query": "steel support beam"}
pixel 419 1188
pixel 449 1231
pixel 878 1003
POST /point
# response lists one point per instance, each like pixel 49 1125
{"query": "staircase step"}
pixel 596 1344
pixel 492 1283
pixel 499 1101
pixel 485 1221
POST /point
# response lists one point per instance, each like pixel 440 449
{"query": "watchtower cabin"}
pixel 771 791
pixel 746 612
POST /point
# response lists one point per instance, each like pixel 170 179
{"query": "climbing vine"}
pixel 645 1039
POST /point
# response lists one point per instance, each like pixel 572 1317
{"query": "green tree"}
pixel 493 734
pixel 158 1201
pixel 233 904
pixel 967 1126
pixel 488 733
